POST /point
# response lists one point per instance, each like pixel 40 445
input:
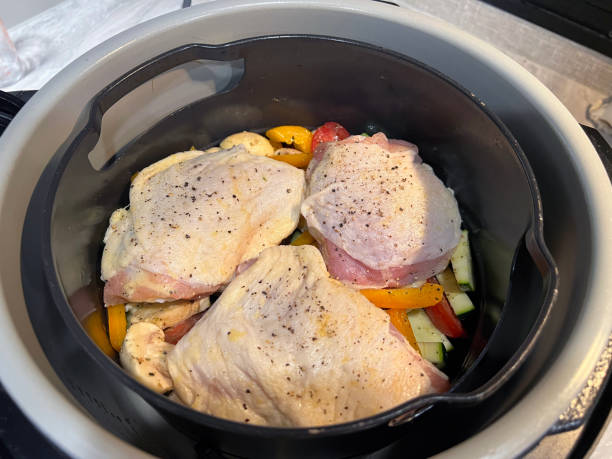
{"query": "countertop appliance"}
pixel 509 91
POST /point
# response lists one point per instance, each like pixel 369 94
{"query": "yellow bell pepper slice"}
pixel 298 136
pixel 117 325
pixel 276 145
pixel 428 294
pixel 299 160
pixel 399 319
pixel 304 239
pixel 94 326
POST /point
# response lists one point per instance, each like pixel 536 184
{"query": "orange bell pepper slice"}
pixel 428 294
pixel 117 325
pixel 94 326
pixel 399 319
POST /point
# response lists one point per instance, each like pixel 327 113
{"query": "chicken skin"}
pixel 381 216
pixel 193 218
pixel 287 345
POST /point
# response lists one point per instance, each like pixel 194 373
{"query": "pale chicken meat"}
pixel 193 218
pixel 381 216
pixel 165 315
pixel 143 355
pixel 287 345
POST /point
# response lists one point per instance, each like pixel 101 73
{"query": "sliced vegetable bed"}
pixel 433 310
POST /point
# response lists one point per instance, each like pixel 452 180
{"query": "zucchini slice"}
pixel 425 331
pixel 458 299
pixel 297 233
pixel 461 261
pixel 433 352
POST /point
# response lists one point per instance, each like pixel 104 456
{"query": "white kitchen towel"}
pixel 49 41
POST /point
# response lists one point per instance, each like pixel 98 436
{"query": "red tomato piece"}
pixel 444 318
pixel 329 132
pixel 174 334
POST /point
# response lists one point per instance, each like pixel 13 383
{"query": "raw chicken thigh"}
pixel 286 345
pixel 380 215
pixel 193 219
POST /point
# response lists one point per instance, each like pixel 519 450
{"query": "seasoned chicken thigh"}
pixel 193 219
pixel 381 216
pixel 286 345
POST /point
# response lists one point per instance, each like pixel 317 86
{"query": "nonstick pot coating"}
pixel 305 81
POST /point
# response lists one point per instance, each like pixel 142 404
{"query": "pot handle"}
pixel 139 75
pixel 533 250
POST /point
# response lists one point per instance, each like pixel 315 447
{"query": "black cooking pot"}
pixel 303 80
